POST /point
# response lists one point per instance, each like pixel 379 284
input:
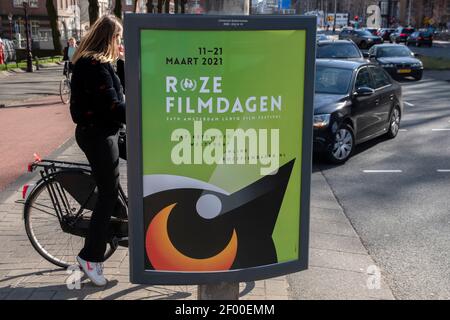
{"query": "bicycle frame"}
pixel 58 196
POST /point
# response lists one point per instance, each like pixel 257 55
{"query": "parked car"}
pixel 385 33
pixel 355 101
pixel 363 38
pixel 420 38
pixel 338 49
pixel 400 34
pixel 321 37
pixel 397 60
pixel 373 31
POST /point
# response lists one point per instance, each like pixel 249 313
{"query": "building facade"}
pixel 423 13
pixel 12 21
pixel 73 19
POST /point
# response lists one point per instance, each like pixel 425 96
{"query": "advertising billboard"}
pixel 219 146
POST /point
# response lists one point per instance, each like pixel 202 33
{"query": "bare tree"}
pixel 53 17
pixel 118 9
pixel 93 11
pixel 160 4
pixel 149 6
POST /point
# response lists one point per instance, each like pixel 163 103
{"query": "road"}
pixel 403 216
pixel 38 125
pixel 27 86
pixel 437 51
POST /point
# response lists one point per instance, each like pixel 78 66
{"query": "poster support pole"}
pixel 218 291
pixel 224 290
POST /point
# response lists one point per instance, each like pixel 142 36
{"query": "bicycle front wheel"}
pixel 43 226
pixel 64 91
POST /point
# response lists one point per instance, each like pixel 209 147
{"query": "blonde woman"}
pixel 97 106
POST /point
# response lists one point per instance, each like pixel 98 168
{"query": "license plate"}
pixel 403 70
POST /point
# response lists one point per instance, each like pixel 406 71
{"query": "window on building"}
pixel 31 3
pixel 129 2
pixel 44 35
pixel 34 29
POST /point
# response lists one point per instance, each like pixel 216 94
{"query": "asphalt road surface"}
pixel 396 194
pixel 28 86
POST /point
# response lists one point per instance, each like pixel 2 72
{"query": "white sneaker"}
pixel 94 271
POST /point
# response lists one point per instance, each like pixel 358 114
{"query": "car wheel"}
pixel 394 123
pixel 342 146
pixel 418 77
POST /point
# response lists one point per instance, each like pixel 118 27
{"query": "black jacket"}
pixel 66 54
pixel 97 98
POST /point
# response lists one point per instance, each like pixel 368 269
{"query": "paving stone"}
pixel 336 242
pixel 344 229
pixel 20 294
pixel 332 284
pixel 42 295
pixel 340 260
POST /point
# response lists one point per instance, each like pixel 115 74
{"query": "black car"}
pixel 373 31
pixel 354 102
pixel 397 60
pixel 400 34
pixel 385 33
pixel 338 49
pixel 363 38
pixel 420 38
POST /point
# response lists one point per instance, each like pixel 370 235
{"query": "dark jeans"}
pixel 102 151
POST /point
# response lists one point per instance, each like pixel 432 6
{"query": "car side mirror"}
pixel 364 92
pixel 366 55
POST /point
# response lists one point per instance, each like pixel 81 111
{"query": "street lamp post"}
pixel 334 21
pixel 409 11
pixel 28 36
pixel 10 17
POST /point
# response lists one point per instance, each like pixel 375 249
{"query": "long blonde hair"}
pixel 99 42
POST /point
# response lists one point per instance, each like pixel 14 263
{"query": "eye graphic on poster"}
pixel 238 235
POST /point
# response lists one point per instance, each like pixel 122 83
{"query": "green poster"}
pixel 222 116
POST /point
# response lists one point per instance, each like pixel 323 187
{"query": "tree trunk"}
pixel 167 6
pixel 53 17
pixel 149 6
pixel 93 11
pixel 160 4
pixel 118 9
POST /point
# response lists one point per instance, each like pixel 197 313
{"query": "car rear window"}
pixel 332 80
pixel 337 50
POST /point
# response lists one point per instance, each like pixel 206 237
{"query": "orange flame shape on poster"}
pixel 164 256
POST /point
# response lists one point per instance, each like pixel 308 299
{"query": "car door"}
pixel 395 34
pixel 363 106
pixel 344 34
pixel 384 98
pixel 354 36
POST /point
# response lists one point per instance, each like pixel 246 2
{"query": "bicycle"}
pixel 64 85
pixel 58 208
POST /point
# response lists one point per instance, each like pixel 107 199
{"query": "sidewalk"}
pixel 338 260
